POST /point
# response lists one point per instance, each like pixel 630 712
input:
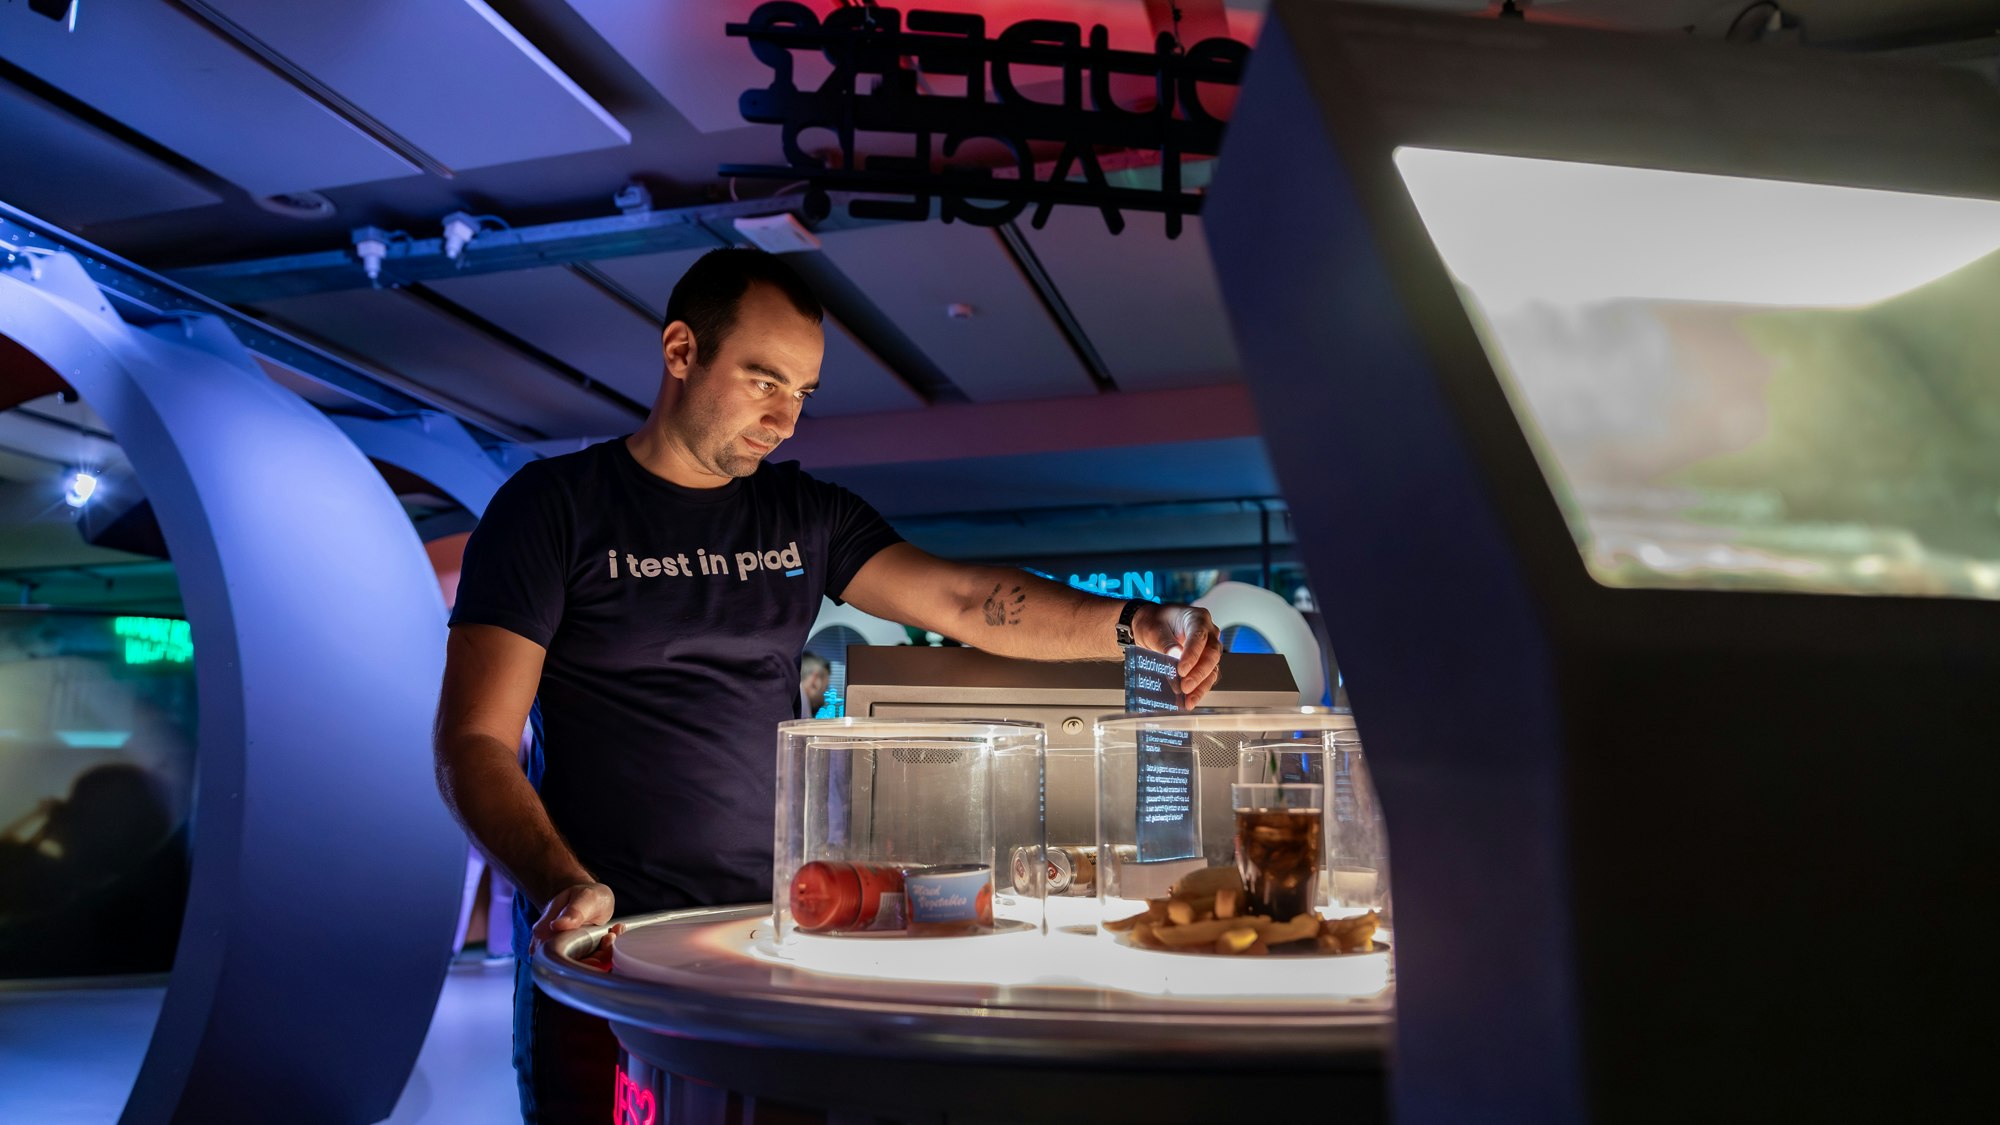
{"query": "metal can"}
pixel 1066 869
pixel 1072 870
pixel 840 895
pixel 950 899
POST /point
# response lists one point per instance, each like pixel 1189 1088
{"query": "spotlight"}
pixel 459 231
pixel 62 11
pixel 371 245
pixel 82 484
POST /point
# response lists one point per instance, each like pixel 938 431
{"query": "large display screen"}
pixel 1740 384
pixel 97 756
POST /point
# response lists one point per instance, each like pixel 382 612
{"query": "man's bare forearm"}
pixel 485 789
pixel 1013 613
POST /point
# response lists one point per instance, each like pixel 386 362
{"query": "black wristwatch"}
pixel 1125 616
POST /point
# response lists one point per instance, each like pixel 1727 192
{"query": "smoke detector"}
pixel 298 205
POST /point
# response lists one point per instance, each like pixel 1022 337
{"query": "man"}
pixel 650 597
pixel 814 673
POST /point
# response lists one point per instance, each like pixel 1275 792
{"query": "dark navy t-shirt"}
pixel 673 619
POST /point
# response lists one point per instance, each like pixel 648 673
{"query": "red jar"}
pixel 839 895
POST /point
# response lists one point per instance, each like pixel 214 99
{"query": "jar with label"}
pixel 873 811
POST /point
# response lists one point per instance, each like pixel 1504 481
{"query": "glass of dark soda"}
pixel 1278 846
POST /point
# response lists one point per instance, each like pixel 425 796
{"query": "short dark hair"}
pixel 810 659
pixel 706 296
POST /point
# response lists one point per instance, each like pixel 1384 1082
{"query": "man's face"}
pixel 741 402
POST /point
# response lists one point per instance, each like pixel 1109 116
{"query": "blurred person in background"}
pixel 814 674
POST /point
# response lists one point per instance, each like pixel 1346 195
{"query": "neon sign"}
pixel 633 1104
pixel 154 640
pixel 1132 584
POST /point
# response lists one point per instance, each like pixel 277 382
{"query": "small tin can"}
pixel 1067 869
pixel 1072 870
pixel 836 895
pixel 950 899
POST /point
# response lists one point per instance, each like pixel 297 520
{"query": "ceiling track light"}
pixel 459 231
pixel 633 199
pixel 461 228
pixel 371 245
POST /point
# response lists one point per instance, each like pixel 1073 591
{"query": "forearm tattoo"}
pixel 1004 609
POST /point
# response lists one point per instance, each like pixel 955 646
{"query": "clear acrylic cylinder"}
pixel 1227 753
pixel 907 828
pixel 1357 838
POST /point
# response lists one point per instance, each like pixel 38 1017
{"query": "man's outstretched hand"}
pixel 574 908
pixel 1188 633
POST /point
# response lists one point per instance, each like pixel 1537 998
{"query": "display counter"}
pixel 720 1022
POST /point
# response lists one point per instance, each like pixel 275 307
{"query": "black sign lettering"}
pixel 883 63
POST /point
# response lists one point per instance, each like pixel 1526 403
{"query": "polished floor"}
pixel 68 1055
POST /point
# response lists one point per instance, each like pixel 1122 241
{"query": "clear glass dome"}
pixel 907 828
pixel 1281 798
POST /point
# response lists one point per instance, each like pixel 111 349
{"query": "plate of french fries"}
pixel 1206 912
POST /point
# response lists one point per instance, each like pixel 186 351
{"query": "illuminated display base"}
pixel 1015 965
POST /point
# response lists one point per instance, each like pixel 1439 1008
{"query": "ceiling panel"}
pixel 451 76
pixel 156 70
pixel 649 277
pixel 852 380
pixel 63 170
pixel 1222 468
pixel 567 317
pixel 428 347
pixel 1149 304
pixel 1007 349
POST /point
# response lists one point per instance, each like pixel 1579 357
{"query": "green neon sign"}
pixel 154 640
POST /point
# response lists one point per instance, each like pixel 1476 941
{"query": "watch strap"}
pixel 1125 616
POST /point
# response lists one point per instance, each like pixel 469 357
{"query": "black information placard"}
pixel 1165 821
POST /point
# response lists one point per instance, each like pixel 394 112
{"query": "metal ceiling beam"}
pixel 611 287
pixel 1037 278
pixel 574 245
pixel 569 373
pixel 300 79
pixel 549 244
pixel 142 292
